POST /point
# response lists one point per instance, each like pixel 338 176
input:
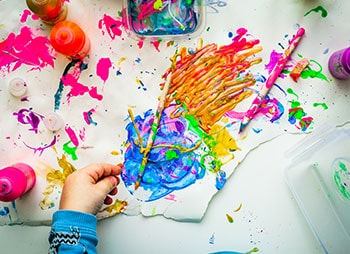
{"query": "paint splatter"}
pixel 229 218
pixel 25 49
pixel 102 68
pixel 28 117
pixel 297 116
pixel 321 104
pixel 113 26
pixel 88 117
pixel 55 179
pixel 42 148
pixel 321 9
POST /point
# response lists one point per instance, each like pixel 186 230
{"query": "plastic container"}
pixel 15 181
pixel 164 18
pixel 70 40
pixel 50 11
pixel 339 64
pixel 319 178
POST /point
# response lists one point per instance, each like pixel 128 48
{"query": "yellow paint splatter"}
pixel 117 207
pixel 238 208
pixel 229 218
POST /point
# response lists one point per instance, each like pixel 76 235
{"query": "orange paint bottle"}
pixel 70 40
pixel 50 11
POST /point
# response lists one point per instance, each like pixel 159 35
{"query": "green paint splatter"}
pixel 229 218
pixel 342 179
pixel 70 150
pixel 171 154
pixel 323 11
pixel 310 73
pixel 323 104
pixel 290 91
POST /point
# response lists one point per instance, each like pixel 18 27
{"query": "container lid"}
pixel 319 178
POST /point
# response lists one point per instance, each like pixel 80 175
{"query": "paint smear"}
pixel 342 177
pixel 25 49
pixel 320 9
pixel 102 68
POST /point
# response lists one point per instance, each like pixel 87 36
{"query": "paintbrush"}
pixel 272 78
pixel 154 129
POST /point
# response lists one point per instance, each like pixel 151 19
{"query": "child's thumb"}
pixel 108 183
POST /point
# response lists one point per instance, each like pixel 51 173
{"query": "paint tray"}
pixel 164 18
pixel 319 178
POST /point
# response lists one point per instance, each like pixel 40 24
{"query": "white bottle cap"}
pixel 17 87
pixel 53 121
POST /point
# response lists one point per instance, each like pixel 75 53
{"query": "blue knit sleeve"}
pixel 73 232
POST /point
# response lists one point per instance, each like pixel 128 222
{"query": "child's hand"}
pixel 87 189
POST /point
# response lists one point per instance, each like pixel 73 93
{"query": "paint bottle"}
pixel 339 64
pixel 49 11
pixel 70 40
pixel 15 181
pixel 17 87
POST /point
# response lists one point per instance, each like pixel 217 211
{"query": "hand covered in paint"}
pixel 87 189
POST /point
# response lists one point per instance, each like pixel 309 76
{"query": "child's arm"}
pixel 73 228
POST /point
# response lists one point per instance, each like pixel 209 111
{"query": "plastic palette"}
pixel 319 178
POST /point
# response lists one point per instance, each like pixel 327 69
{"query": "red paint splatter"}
pixel 102 68
pixel 156 44
pixel 25 49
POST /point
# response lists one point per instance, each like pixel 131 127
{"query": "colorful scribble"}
pixel 190 140
pixel 25 49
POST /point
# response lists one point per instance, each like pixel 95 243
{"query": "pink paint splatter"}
pixel 112 26
pixel 87 117
pixel 93 93
pixel 72 136
pixel 25 49
pixel 102 68
pixel 274 56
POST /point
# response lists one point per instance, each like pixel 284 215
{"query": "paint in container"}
pixel 16 180
pixel 70 40
pixel 339 64
pixel 49 11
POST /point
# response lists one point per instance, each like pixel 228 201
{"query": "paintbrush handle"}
pixel 154 129
pixel 281 63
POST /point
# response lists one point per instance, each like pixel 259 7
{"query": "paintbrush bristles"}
pixel 154 129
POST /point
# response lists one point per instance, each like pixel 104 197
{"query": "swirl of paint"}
pixel 172 163
pixel 150 17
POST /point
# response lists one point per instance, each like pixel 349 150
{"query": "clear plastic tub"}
pixel 319 178
pixel 164 18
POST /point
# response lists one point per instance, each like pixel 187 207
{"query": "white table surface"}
pixel 269 218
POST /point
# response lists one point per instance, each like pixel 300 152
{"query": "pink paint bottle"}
pixel 339 64
pixel 15 181
pixel 50 11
